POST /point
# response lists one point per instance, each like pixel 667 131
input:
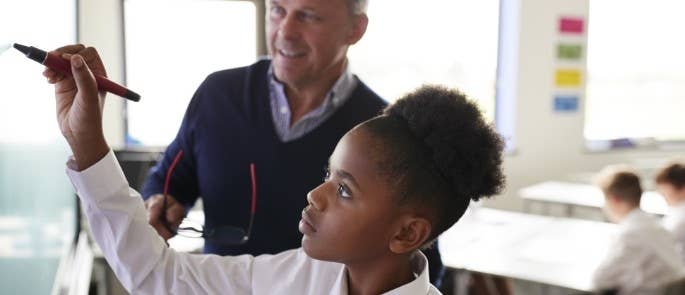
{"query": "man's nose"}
pixel 289 28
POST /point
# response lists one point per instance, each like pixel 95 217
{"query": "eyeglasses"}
pixel 226 234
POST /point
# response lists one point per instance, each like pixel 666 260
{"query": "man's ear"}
pixel 360 22
pixel 411 234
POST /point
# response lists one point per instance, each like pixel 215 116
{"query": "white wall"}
pixel 548 145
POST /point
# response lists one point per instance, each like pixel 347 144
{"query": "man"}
pixel 273 124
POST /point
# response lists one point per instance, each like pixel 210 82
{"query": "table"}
pixel 554 251
pixel 583 195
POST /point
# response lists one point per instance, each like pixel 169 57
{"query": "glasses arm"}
pixel 190 228
pixel 253 209
pixel 166 189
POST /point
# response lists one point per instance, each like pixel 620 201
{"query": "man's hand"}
pixel 79 106
pixel 167 223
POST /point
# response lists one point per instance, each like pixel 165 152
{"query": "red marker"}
pixel 54 61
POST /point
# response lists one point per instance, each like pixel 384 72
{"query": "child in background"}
pixel 642 259
pixel 670 183
pixel 395 183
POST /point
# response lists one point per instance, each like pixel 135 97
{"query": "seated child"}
pixel 395 182
pixel 670 182
pixel 642 258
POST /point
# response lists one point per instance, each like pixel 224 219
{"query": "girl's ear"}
pixel 412 233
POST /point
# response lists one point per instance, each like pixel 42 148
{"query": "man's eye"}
pixel 308 17
pixel 277 11
pixel 311 17
pixel 343 192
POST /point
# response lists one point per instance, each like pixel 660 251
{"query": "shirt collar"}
pixel 674 217
pixel 342 87
pixel 635 219
pixel 680 207
pixel 420 285
pixel 678 210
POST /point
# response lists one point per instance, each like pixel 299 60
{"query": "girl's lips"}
pixel 306 225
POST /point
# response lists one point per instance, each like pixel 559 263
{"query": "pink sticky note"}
pixel 571 25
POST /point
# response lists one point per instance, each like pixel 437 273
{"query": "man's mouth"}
pixel 290 53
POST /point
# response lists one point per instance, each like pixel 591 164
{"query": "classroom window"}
pixel 25 97
pixel 37 202
pixel 171 46
pixel 454 43
pixel 636 82
pixel 410 43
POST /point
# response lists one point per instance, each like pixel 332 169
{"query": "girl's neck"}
pixel 379 276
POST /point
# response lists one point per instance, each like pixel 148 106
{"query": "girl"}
pixel 394 184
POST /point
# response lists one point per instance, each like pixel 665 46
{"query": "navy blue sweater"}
pixel 227 126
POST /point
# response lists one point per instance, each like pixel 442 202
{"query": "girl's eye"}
pixel 326 175
pixel 343 192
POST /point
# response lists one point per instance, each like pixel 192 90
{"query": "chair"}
pixel 136 164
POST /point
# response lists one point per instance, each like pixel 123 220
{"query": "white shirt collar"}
pixel 678 208
pixel 420 284
pixel 637 219
pixel 675 218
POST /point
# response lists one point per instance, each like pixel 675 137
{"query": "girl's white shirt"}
pixel 145 265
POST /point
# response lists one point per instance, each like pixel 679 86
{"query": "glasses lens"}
pixel 226 235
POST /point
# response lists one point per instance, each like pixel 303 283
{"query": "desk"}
pixel 555 251
pixel 583 195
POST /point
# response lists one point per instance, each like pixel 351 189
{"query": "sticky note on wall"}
pixel 569 51
pixel 571 25
pixel 567 78
pixel 566 103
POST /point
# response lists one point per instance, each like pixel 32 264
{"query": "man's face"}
pixel 308 39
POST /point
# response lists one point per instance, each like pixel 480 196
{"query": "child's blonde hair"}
pixel 620 181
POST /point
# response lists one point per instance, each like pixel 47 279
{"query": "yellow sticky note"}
pixel 567 78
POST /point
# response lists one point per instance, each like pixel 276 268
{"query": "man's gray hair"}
pixel 357 7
